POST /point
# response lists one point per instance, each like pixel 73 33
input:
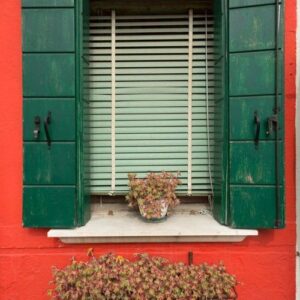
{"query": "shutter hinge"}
pixel 272 122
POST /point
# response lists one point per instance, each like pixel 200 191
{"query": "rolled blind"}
pixel 151 99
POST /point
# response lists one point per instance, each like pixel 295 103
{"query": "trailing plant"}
pixel 146 278
pixel 148 192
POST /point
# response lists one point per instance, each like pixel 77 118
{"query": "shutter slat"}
pixel 144 17
pixel 91 106
pixel 98 52
pixel 155 77
pixel 163 57
pixel 98 66
pixel 140 149
pixel 152 44
pixel 149 143
pixel 140 123
pixel 100 157
pixel 140 24
pixel 150 110
pixel 152 37
pixel 156 71
pixel 154 98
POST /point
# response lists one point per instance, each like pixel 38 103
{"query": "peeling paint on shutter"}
pixel 253 164
pixel 256 197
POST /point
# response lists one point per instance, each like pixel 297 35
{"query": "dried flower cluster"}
pixel 147 193
pixel 147 278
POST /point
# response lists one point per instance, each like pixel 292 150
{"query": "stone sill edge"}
pixel 164 239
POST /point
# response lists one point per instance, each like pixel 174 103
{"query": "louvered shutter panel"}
pixel 256 196
pixel 151 101
pixel 49 88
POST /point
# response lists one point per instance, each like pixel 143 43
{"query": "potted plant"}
pixel 153 195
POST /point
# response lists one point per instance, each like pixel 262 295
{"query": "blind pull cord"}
pixel 190 104
pixel 207 111
pixel 113 102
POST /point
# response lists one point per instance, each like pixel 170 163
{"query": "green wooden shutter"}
pixel 151 99
pixel 50 61
pixel 254 196
pixel 220 161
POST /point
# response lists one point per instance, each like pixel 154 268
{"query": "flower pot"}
pixel 154 211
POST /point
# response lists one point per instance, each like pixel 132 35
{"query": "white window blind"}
pixel 149 86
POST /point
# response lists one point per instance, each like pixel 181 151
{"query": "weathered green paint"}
pixel 48 75
pixel 51 82
pixel 62 127
pixel 256 197
pixel 249 200
pixel 47 3
pixel 243 3
pixel 220 159
pixel 253 31
pixel 53 166
pixel 49 206
pixel 237 203
pixel 252 73
pixel 48 30
pixel 242 110
pixel 254 207
pixel 253 165
pixel 82 26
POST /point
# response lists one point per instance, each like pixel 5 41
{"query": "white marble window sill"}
pixel 115 223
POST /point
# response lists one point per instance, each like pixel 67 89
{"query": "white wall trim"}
pixel 298 152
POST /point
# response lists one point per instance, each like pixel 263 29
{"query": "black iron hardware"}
pixel 257 128
pixel 37 127
pixel 272 124
pixel 190 258
pixel 47 122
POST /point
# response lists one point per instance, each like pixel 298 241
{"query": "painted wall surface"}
pixel 298 153
pixel 265 265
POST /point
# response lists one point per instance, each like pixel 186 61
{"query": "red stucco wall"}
pixel 265 264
